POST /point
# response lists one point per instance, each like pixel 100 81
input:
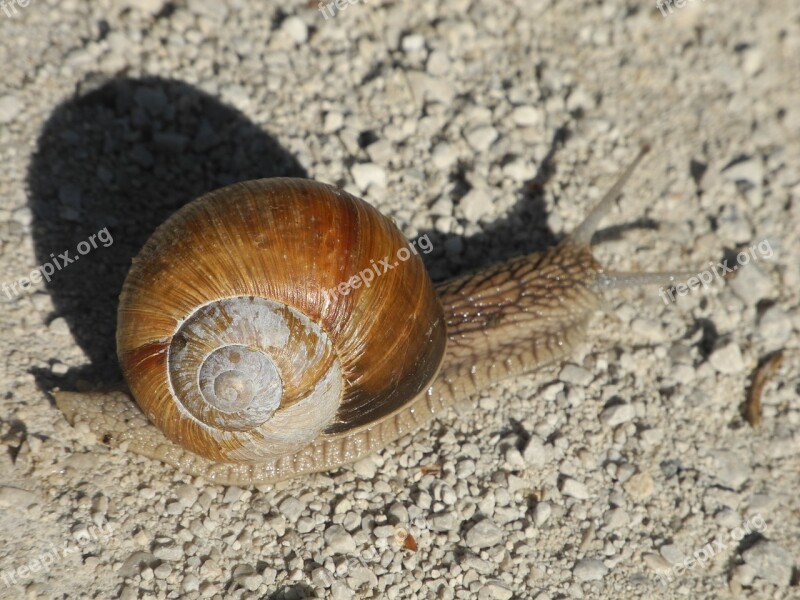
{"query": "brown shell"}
pixel 276 242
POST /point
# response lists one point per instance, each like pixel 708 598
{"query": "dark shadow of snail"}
pixel 122 157
pixel 117 159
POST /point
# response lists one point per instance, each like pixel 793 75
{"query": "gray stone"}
pixel 589 569
pixel 475 204
pixel 770 562
pixel 575 375
pixel 445 521
pixel 617 414
pixel 484 534
pixel 339 541
pixel 168 551
pixel 292 508
pixel 495 589
pixel 481 138
pixel 535 453
pixel 526 116
pixel 10 107
pixel 368 174
pixel 541 513
pixel 727 359
pixel 296 29
pixel 216 10
pixel 574 489
pixel 186 494
pixel 750 170
pixel 731 468
pixel 751 285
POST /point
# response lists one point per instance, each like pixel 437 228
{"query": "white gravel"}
pixel 626 472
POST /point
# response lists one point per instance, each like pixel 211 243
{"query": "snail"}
pixel 258 348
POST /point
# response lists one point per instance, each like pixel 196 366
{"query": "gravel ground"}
pixel 492 127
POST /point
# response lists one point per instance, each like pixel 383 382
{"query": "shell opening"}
pixel 255 368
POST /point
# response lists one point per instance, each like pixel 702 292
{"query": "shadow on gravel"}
pixel 114 161
pixel 122 157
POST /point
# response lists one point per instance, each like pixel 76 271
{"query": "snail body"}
pixel 251 368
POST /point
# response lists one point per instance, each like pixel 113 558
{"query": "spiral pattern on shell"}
pixel 232 335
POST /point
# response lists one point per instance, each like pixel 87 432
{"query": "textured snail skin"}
pixel 508 319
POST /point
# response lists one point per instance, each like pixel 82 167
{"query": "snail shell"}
pixel 236 345
pixel 236 339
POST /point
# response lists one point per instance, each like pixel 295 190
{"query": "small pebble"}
pixel 744 574
pixel 339 541
pixel 514 458
pixel 774 327
pixel 10 107
pixel 17 498
pixel 59 326
pixel 541 513
pixel 366 467
pixel 186 494
pixel 589 569
pixel 640 486
pixel 770 562
pixel 749 170
pixel 168 551
pixel 481 138
pixel 535 454
pixel 368 174
pixel 322 577
pixel 291 508
pixel 296 29
pixel 162 571
pixel 617 414
pixel 615 518
pixel 526 116
pixel 751 285
pixel 340 591
pixel 574 489
pixel 672 553
pixel 446 521
pixel 305 525
pixel 495 590
pixel 190 583
pixel 475 205
pixel 248 580
pixel 152 7
pixel 575 375
pixel 731 469
pixel 212 9
pixel 412 43
pixel 484 534
pixel 210 570
pixel 232 494
pixel 727 359
pixel 443 155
